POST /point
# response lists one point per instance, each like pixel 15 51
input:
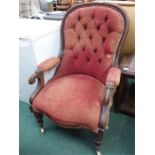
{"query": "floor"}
pixel 119 139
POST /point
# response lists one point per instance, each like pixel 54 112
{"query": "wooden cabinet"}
pixel 124 98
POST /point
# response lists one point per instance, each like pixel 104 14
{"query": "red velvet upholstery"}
pixel 91 36
pixel 90 39
pixel 73 100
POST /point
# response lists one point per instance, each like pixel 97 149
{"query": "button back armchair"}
pixel 78 96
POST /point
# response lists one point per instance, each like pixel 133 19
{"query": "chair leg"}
pixel 98 139
pixel 39 118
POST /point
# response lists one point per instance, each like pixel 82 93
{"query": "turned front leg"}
pixel 98 140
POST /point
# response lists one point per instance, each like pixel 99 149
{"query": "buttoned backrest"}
pixel 91 37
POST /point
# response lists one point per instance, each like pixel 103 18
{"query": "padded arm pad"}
pixel 113 76
pixel 48 64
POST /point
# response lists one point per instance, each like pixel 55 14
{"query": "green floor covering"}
pixel 119 139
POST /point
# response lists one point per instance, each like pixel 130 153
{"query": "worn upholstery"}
pixel 113 76
pixel 73 100
pixel 90 38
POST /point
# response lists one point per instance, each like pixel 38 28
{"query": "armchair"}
pixel 78 96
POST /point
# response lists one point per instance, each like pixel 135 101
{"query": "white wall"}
pixel 39 40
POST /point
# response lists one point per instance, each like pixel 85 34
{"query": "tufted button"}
pixel 103 39
pixel 106 18
pixel 95 50
pixel 109 29
pixel 79 18
pixel 71 48
pixel 85 26
pixel 75 57
pixel 88 59
pixel 90 37
pixel 74 26
pixel 99 60
pixel 98 27
pixel 83 49
pixel 79 37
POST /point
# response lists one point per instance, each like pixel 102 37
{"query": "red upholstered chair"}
pixel 78 95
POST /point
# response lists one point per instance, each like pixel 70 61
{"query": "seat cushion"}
pixel 74 100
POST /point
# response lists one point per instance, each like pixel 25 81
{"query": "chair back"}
pixel 92 35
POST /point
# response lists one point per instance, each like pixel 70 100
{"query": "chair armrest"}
pixel 112 81
pixel 113 76
pixel 48 64
pixel 39 74
pixel 40 79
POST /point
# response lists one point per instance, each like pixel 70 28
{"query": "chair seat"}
pixel 72 101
